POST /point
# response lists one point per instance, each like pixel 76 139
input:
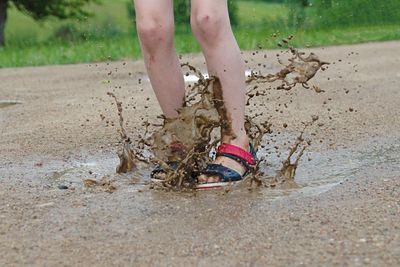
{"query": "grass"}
pixel 258 13
pixel 109 35
pixel 22 30
pixel 343 13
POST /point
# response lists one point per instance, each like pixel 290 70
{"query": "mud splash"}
pixel 127 155
pixel 191 137
pixel 300 70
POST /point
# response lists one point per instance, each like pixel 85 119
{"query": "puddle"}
pixel 85 174
pixel 326 170
pixel 8 103
pixel 329 168
pixel 192 135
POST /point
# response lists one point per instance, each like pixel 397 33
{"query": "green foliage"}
pixel 297 12
pixel 317 14
pixel 62 9
pixel 340 13
pixel 268 1
pixel 127 46
pixel 182 13
pixel 233 12
pixel 41 9
pixel 73 32
pixel 68 32
pixel 107 35
pixel 259 14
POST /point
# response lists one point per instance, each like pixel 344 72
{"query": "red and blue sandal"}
pixel 228 175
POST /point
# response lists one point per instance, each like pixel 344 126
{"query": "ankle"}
pixel 240 141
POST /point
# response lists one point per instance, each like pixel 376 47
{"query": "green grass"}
pixel 109 35
pixel 128 46
pixel 343 13
pixel 258 13
pixel 111 16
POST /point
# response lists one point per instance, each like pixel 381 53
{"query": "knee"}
pixel 207 25
pixel 154 34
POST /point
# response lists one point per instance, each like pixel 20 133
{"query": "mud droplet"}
pixel 62 187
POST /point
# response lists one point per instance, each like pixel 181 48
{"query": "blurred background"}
pixel 72 31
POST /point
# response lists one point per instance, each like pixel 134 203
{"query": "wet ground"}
pixel 61 202
pixel 8 103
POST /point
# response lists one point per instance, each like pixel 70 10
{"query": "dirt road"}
pixel 344 209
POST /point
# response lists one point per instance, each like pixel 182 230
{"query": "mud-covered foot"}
pixel 177 151
pixel 159 174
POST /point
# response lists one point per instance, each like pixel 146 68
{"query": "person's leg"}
pixel 155 26
pixel 211 26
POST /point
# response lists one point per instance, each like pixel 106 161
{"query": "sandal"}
pixel 228 175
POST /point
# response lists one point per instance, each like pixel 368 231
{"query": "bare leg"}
pixel 155 25
pixel 211 26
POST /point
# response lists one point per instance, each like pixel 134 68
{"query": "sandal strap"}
pixel 237 153
pixel 226 174
pixel 248 160
pixel 237 159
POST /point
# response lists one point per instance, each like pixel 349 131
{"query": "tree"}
pixel 3 18
pixel 41 9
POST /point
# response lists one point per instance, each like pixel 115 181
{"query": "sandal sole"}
pixel 208 186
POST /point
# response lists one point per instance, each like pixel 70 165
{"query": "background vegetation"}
pixel 109 34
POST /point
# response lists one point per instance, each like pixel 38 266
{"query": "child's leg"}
pixel 211 26
pixel 155 26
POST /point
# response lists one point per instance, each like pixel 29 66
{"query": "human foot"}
pixel 177 150
pixel 232 164
pixel 159 173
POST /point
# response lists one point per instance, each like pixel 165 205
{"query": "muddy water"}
pixel 327 169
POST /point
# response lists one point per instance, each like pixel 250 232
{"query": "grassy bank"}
pixel 109 35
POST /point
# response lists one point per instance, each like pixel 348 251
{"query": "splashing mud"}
pixel 289 167
pixel 299 71
pixel 191 137
pixel 128 155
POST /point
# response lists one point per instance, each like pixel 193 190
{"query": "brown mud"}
pixel 190 138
